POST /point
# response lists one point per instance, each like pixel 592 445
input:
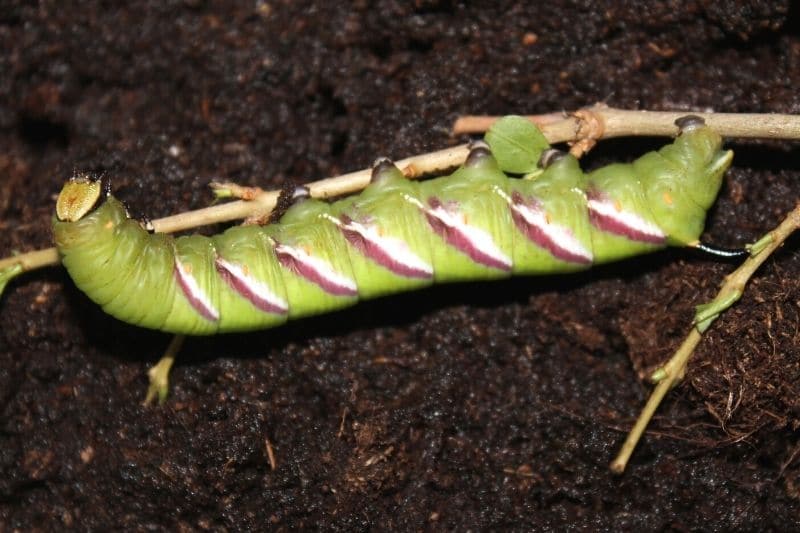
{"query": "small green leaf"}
pixel 517 144
pixel 707 313
pixel 758 246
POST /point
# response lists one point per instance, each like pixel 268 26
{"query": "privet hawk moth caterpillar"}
pixel 396 235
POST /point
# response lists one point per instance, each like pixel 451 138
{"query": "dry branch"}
pixel 597 122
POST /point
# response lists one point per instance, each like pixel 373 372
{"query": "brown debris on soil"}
pixel 756 384
pixel 480 406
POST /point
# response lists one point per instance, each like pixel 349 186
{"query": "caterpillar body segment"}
pixel 253 283
pixel 621 220
pixel 397 235
pixel 387 251
pixel 551 227
pixel 469 223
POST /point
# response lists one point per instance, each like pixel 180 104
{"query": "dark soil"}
pixel 467 407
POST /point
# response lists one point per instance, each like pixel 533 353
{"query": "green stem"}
pixel 9 273
pixel 159 373
pixel 673 371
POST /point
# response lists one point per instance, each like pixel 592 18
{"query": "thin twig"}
pixel 605 122
pixel 674 370
pixel 32 260
pixel 159 373
pixel 622 122
pixel 273 464
pixel 413 167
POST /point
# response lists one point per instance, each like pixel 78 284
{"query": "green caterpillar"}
pixel 397 235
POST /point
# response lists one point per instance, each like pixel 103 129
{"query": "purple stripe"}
pixel 194 300
pixel 459 240
pixel 538 235
pixel 312 274
pixel 244 289
pixel 609 224
pixel 375 252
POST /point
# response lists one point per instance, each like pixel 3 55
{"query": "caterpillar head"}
pixel 77 198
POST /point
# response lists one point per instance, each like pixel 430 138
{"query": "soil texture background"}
pixel 464 407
